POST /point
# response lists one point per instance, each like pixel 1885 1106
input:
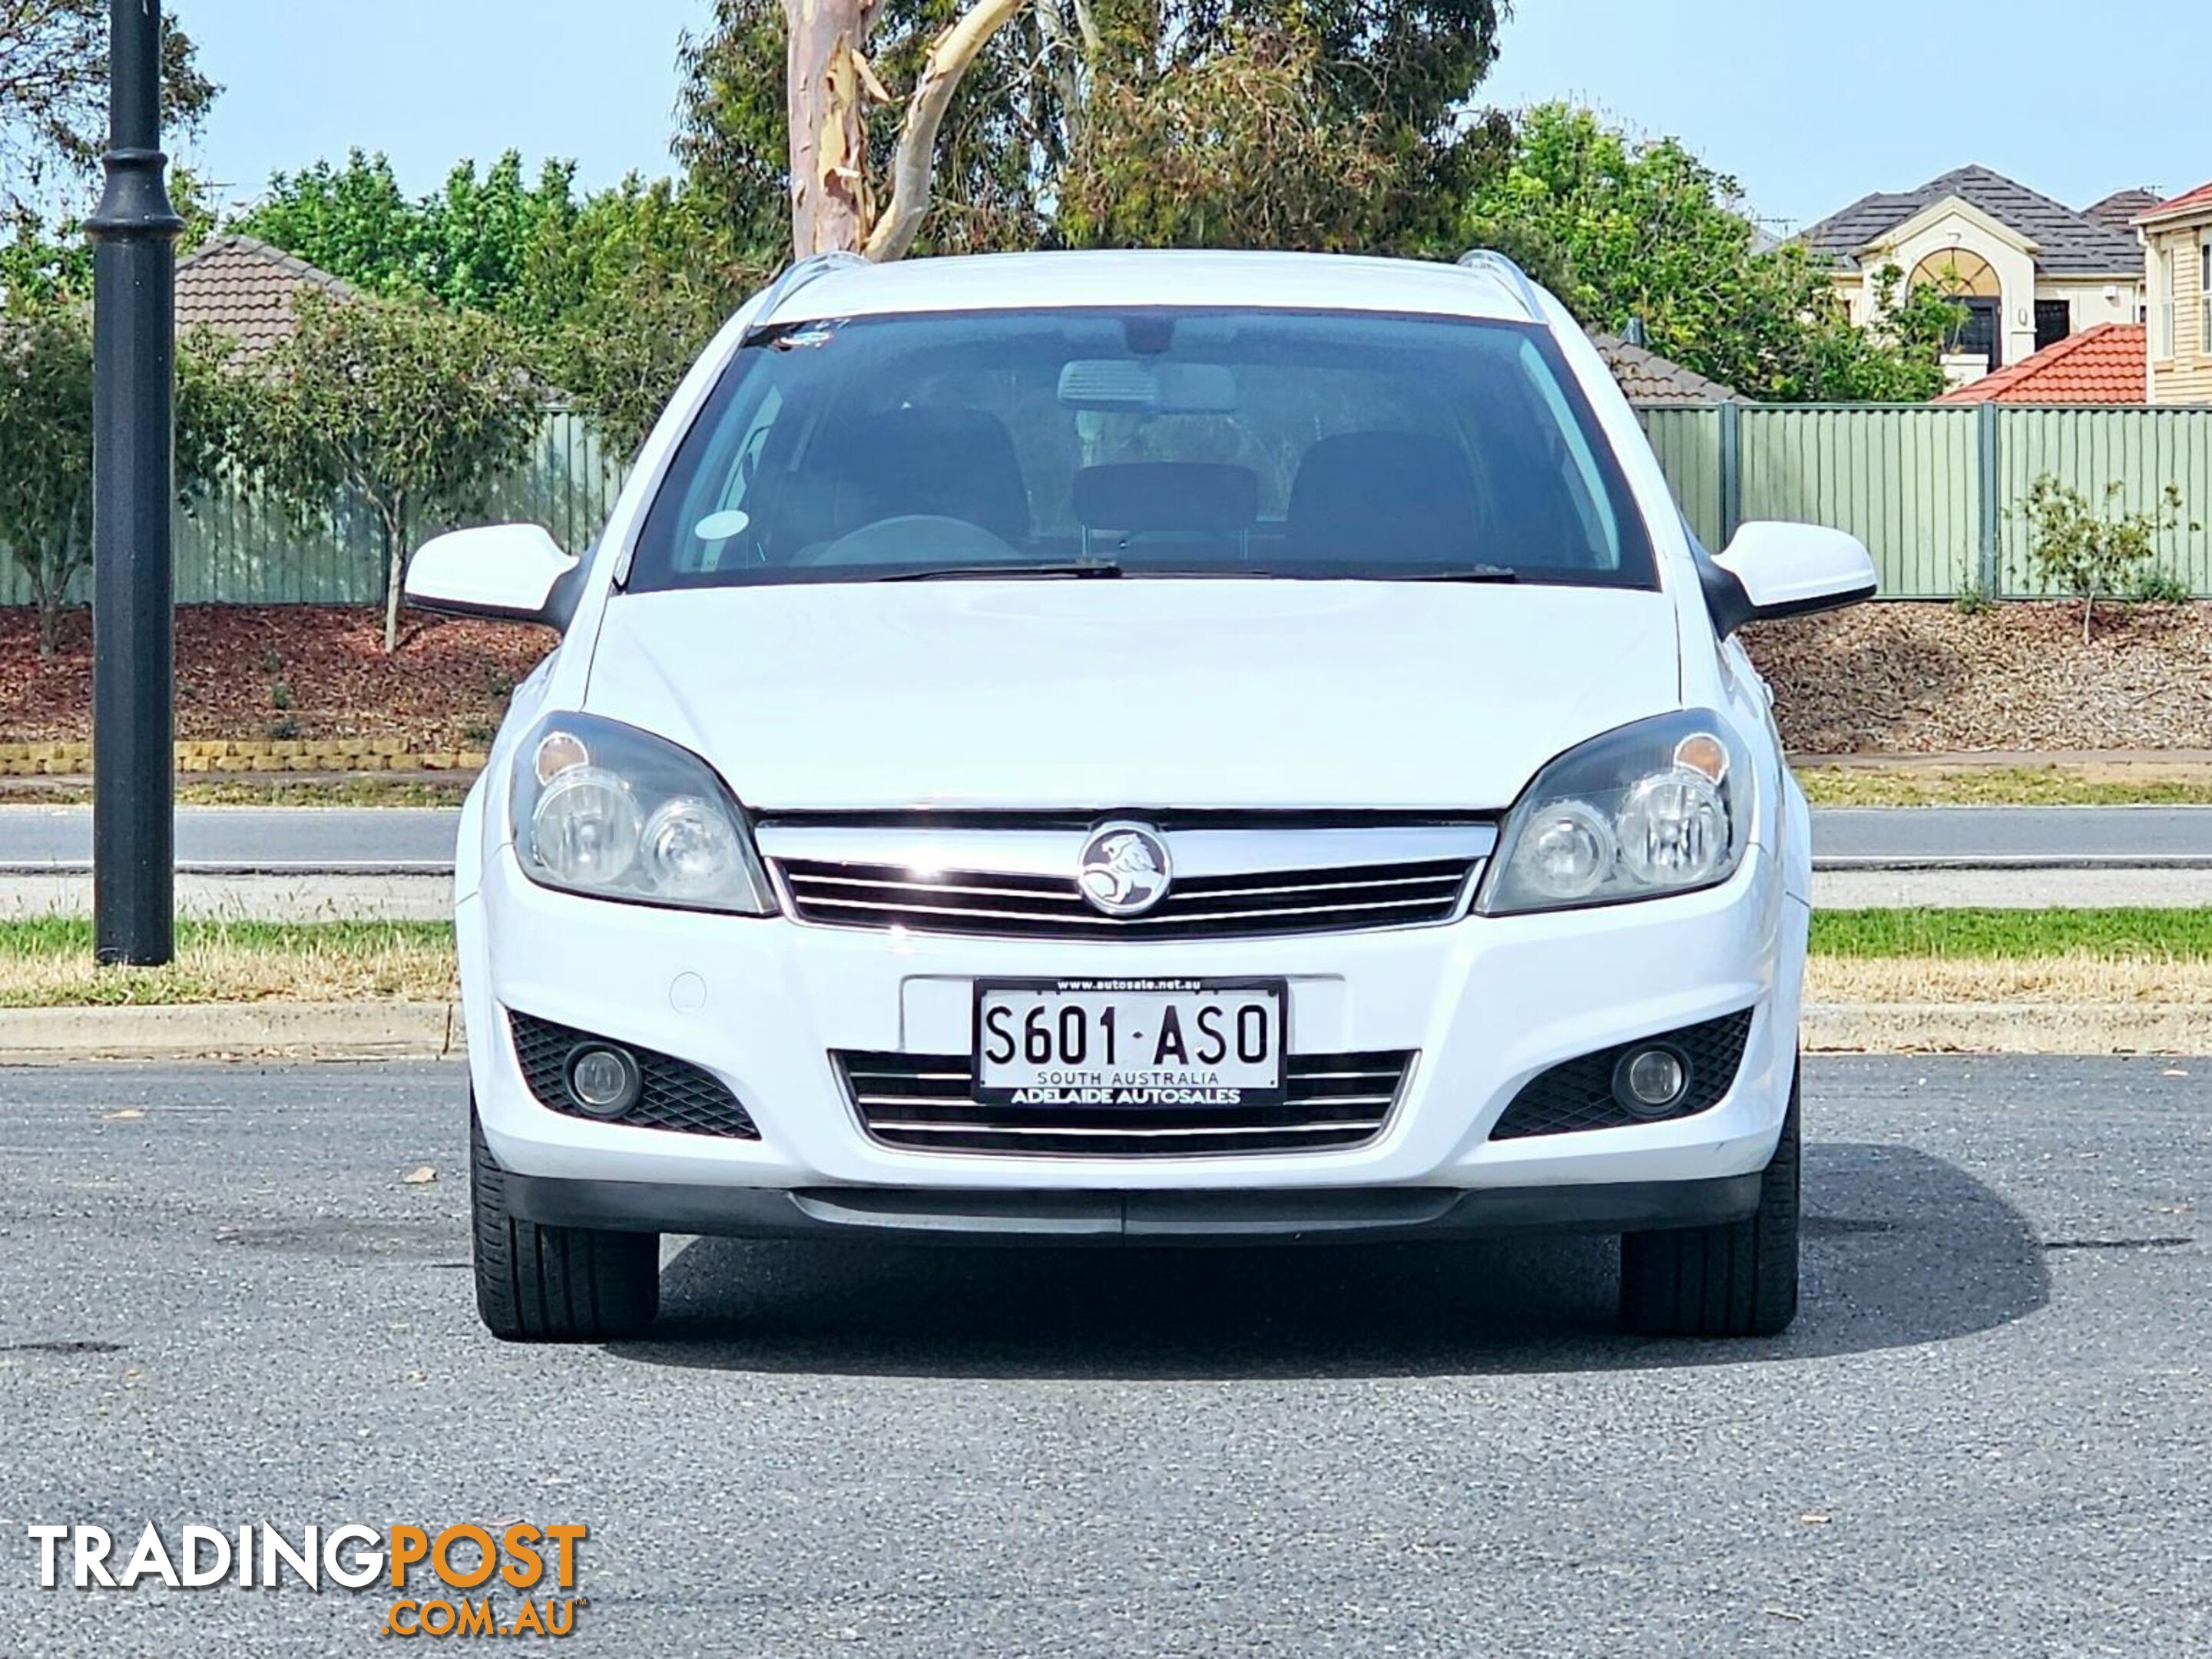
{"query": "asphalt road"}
pixel 402 839
pixel 1987 1434
pixel 1844 837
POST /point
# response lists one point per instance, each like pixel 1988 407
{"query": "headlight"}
pixel 1661 807
pixel 609 811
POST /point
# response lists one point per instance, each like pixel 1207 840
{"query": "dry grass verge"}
pixel 2072 981
pixel 2104 958
pixel 48 964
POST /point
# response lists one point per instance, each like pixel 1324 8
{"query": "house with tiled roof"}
pixel 2026 270
pixel 1649 380
pixel 2102 364
pixel 2117 211
pixel 2177 246
pixel 244 288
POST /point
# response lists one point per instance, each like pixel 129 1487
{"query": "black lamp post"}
pixel 134 324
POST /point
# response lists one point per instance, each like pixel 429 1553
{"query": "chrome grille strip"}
pixel 1198 853
pixel 1073 920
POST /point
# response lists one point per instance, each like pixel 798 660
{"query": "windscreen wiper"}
pixel 1462 573
pixel 1072 568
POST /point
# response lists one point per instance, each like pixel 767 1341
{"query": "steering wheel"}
pixel 916 538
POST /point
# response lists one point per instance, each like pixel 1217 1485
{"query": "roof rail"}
pixel 796 274
pixel 1498 264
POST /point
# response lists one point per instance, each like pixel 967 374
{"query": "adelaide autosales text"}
pixel 461 1580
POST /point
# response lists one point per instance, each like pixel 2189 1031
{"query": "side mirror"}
pixel 514 572
pixel 1774 570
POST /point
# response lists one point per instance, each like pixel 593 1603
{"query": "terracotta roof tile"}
pixel 2106 364
pixel 2189 201
pixel 243 287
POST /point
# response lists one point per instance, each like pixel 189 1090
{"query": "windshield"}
pixel 1144 443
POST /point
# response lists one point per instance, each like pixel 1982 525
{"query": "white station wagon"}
pixel 1138 748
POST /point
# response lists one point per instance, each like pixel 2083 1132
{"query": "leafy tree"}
pixel 646 281
pixel 476 243
pixel 53 91
pixel 1623 230
pixel 1250 146
pixel 415 409
pixel 2093 555
pixel 38 265
pixel 353 221
pixel 994 145
pixel 45 439
pixel 1068 100
pixel 610 296
pixel 1397 74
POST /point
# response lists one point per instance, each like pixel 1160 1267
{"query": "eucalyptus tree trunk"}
pixel 828 84
pixel 830 205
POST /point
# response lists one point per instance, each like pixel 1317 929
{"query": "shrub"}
pixel 2095 555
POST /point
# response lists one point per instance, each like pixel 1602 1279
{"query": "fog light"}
pixel 603 1081
pixel 1650 1081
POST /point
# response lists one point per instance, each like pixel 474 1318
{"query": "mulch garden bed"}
pixel 286 670
pixel 1882 678
pixel 1928 678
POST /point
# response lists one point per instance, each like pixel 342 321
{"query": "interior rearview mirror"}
pixel 514 572
pixel 1127 385
pixel 1773 570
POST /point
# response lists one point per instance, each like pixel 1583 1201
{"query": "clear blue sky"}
pixel 1810 106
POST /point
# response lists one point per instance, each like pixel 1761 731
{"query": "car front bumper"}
pixel 1485 1004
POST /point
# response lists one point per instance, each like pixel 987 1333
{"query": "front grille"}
pixel 1577 1094
pixel 677 1095
pixel 1314 901
pixel 926 1103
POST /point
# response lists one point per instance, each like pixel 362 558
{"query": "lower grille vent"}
pixel 926 1103
pixel 1579 1094
pixel 675 1095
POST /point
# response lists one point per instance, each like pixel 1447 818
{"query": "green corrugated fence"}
pixel 237 549
pixel 1935 494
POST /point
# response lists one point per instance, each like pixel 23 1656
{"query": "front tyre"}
pixel 1736 1280
pixel 554 1284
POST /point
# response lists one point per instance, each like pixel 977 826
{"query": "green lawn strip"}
pixel 69 936
pixel 2114 935
pixel 1995 786
pixel 2136 934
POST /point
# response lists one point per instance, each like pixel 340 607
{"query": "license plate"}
pixel 1133 1042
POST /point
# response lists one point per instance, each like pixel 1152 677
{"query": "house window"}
pixel 2054 321
pixel 2204 296
pixel 2162 335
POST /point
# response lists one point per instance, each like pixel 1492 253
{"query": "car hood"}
pixel 1132 694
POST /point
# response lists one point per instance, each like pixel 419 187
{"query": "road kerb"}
pixel 2010 1028
pixel 434 1030
pixel 226 1031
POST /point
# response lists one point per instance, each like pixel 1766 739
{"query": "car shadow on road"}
pixel 1901 1248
